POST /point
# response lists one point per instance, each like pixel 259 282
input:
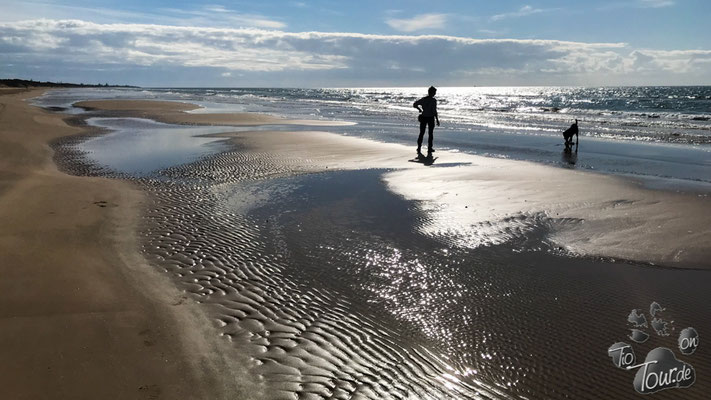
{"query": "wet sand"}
pixel 592 214
pixel 82 315
pixel 341 270
pixel 596 215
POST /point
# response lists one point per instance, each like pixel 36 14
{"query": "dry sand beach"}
pixel 333 266
pixel 83 316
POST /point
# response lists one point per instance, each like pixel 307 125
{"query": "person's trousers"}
pixel 428 122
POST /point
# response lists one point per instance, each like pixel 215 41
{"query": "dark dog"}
pixel 568 134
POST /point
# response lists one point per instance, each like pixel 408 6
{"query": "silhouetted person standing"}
pixel 428 115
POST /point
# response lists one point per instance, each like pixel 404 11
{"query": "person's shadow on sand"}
pixel 429 160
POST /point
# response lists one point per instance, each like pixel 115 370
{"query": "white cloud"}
pixel 216 8
pixel 636 4
pixel 220 16
pixel 90 43
pixel 208 15
pixel 491 32
pixel 164 55
pixel 418 23
pixel 522 12
pixel 677 61
pixel 656 3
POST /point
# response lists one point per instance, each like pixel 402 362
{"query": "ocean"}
pixel 659 135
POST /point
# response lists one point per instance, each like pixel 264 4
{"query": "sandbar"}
pixel 173 112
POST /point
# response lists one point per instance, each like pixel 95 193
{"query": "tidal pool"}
pixel 140 147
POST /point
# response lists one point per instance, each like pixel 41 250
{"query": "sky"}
pixel 335 43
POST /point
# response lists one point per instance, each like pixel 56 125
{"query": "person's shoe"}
pixel 430 151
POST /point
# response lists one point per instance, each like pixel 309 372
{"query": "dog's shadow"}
pixel 569 157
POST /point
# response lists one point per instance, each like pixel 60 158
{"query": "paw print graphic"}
pixel 660 369
pixel 638 320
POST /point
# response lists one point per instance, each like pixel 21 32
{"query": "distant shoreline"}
pixel 29 84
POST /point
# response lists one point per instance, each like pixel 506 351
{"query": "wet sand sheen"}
pixel 337 287
pixel 518 314
pixel 473 197
pixel 339 295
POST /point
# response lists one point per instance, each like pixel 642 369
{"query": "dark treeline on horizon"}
pixel 20 83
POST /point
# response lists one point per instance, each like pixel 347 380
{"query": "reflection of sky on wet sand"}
pixel 493 317
pixel 140 146
pixel 482 290
pixel 370 249
pixel 467 209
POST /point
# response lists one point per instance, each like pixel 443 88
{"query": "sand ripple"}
pixel 333 305
pixel 306 342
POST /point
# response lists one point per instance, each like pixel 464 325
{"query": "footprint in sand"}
pixel 103 203
pixel 151 392
pixel 148 338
